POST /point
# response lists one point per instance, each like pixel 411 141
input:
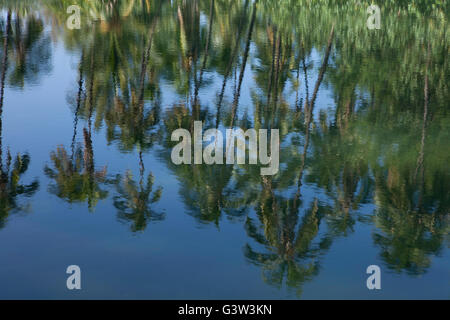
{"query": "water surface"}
pixel 87 178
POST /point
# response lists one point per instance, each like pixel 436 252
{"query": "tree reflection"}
pixel 29 46
pixel 11 172
pixel 75 176
pixel 366 141
pixel 135 199
pixel 11 187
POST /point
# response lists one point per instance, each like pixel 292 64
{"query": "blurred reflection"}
pixel 12 169
pixel 134 200
pixel 11 188
pixel 29 46
pixel 75 176
pixel 363 120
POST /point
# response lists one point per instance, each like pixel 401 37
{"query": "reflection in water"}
pixel 75 176
pixel 11 187
pixel 29 49
pixel 363 143
pixel 133 201
pixel 11 170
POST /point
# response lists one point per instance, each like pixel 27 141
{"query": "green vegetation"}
pixel 378 154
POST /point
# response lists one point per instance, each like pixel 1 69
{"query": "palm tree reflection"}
pixel 11 171
pixel 134 200
pixel 11 187
pixel 347 154
pixel 75 177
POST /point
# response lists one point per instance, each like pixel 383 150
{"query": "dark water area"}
pixel 87 179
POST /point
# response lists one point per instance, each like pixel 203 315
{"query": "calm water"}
pixel 87 178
